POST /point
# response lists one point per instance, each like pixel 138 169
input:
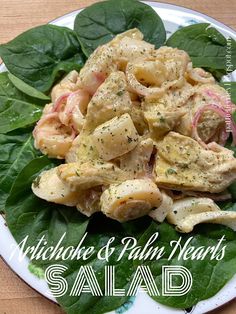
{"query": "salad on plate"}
pixel 111 130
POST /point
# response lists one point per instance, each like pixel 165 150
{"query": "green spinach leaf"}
pixel 40 54
pixel 232 190
pixel 17 150
pixel 209 275
pixel 227 205
pixel 26 89
pixel 100 22
pixel 17 109
pixel 206 46
pixel 98 236
pixel 28 215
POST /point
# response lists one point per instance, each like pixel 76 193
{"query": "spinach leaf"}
pixel 97 236
pixel 39 55
pixel 232 190
pixel 17 150
pixel 28 215
pixel 227 205
pixel 234 116
pixel 26 89
pixel 100 22
pixel 206 46
pixel 209 276
pixel 36 270
pixel 17 110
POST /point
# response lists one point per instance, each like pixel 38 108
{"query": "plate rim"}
pixel 155 4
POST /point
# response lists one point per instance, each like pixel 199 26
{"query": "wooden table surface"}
pixel 17 16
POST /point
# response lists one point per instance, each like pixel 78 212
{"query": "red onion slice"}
pixel 221 112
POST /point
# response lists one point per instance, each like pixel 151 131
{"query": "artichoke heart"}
pixel 183 164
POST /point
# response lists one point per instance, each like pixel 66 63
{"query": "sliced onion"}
pixel 217 97
pixel 83 101
pixel 65 106
pixel 60 101
pixel 43 119
pixel 221 112
pixel 232 108
pixel 74 133
pixel 68 96
pixel 223 137
pixel 96 79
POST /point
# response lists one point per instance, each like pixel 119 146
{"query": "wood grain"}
pixel 16 297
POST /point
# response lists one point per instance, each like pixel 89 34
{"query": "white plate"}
pixel 173 17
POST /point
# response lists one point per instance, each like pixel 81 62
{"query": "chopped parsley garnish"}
pixel 162 120
pixel 171 171
pixel 120 93
pixel 129 139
